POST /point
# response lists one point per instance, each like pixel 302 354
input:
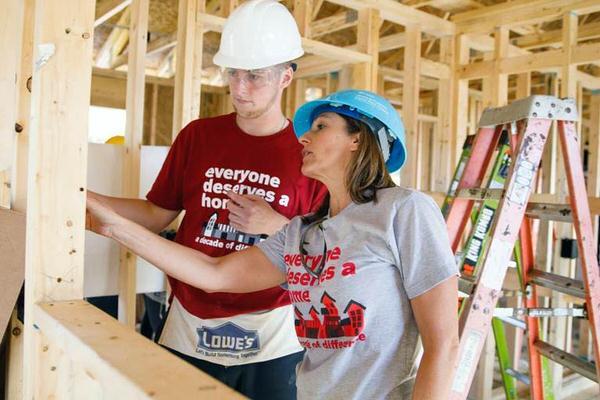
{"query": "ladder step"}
pixel 517 323
pixel 546 211
pixel 519 376
pixel 565 359
pixel 550 212
pixel 562 284
pixel 466 284
pixel 480 193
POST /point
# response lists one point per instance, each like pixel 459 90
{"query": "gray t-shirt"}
pixel 355 321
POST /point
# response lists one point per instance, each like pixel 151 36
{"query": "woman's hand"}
pixel 100 218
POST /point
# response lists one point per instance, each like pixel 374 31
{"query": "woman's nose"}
pixel 304 139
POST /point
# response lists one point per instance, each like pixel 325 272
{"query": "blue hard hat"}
pixel 375 111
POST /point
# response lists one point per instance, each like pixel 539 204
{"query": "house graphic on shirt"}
pixel 331 325
pixel 331 319
pixel 223 231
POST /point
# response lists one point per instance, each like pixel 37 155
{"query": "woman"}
pixel 366 273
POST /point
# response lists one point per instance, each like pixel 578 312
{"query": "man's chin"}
pixel 248 113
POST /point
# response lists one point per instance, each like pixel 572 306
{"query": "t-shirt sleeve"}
pixel 167 190
pixel 274 247
pixel 420 244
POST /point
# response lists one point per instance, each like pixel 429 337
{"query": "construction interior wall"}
pixel 439 62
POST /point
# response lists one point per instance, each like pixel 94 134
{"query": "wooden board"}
pixel 103 359
pixel 12 267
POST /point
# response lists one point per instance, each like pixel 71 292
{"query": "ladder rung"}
pixel 570 361
pixel 547 211
pixel 550 211
pixel 519 376
pixel 517 323
pixel 480 194
pixel 539 312
pixel 466 285
pixel 560 283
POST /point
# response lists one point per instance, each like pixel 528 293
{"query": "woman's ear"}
pixel 355 141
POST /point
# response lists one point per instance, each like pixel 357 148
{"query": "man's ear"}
pixel 286 77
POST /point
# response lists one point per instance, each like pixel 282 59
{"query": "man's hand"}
pixel 252 214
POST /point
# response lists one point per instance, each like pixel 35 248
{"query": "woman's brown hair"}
pixel 366 173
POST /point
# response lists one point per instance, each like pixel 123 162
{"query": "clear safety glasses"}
pixel 256 78
pixel 318 269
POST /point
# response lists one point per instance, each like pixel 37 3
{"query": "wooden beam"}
pixel 499 79
pixel 560 332
pixel 460 98
pixel 62 43
pixel 403 15
pixel 394 75
pixel 335 52
pixel 443 129
pixel 518 13
pixel 336 22
pixel 569 82
pixel 548 61
pixel 19 176
pixel 303 16
pixel 411 171
pixel 117 362
pixel 108 9
pixel 554 37
pixel 435 69
pixel 392 42
pixel 189 64
pixel 364 75
pixel 523 85
pixel 134 133
pixel 11 26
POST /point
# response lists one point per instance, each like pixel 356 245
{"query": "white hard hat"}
pixel 259 34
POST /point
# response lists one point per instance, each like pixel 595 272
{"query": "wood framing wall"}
pixel 43 157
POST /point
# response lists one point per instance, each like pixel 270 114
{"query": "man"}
pixel 238 179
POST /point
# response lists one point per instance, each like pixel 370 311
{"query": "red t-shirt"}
pixel 209 157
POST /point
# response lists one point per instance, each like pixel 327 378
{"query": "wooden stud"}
pixel 10 50
pixel 303 16
pixel 569 85
pixel 500 80
pixel 189 64
pixel 443 129
pixel 154 113
pixel 364 75
pixel 410 106
pixel 523 85
pixel 57 166
pixel 560 330
pixel 134 131
pixel 460 96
